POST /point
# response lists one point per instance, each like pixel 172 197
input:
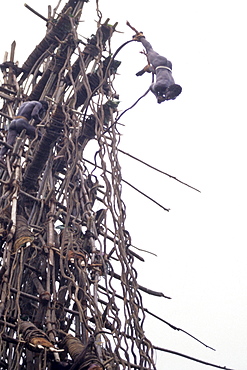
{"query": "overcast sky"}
pixel 200 138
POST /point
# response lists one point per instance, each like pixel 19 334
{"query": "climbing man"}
pixel 164 88
pixel 28 110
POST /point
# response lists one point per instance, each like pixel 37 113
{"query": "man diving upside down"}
pixel 28 110
pixel 164 88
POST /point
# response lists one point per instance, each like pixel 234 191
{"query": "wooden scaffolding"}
pixel 69 297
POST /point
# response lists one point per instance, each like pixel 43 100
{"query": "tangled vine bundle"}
pixel 63 236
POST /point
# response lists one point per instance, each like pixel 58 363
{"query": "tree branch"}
pixel 190 358
pixel 156 169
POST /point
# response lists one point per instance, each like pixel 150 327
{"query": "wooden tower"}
pixel 69 297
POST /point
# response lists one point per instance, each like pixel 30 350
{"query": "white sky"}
pixel 201 139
